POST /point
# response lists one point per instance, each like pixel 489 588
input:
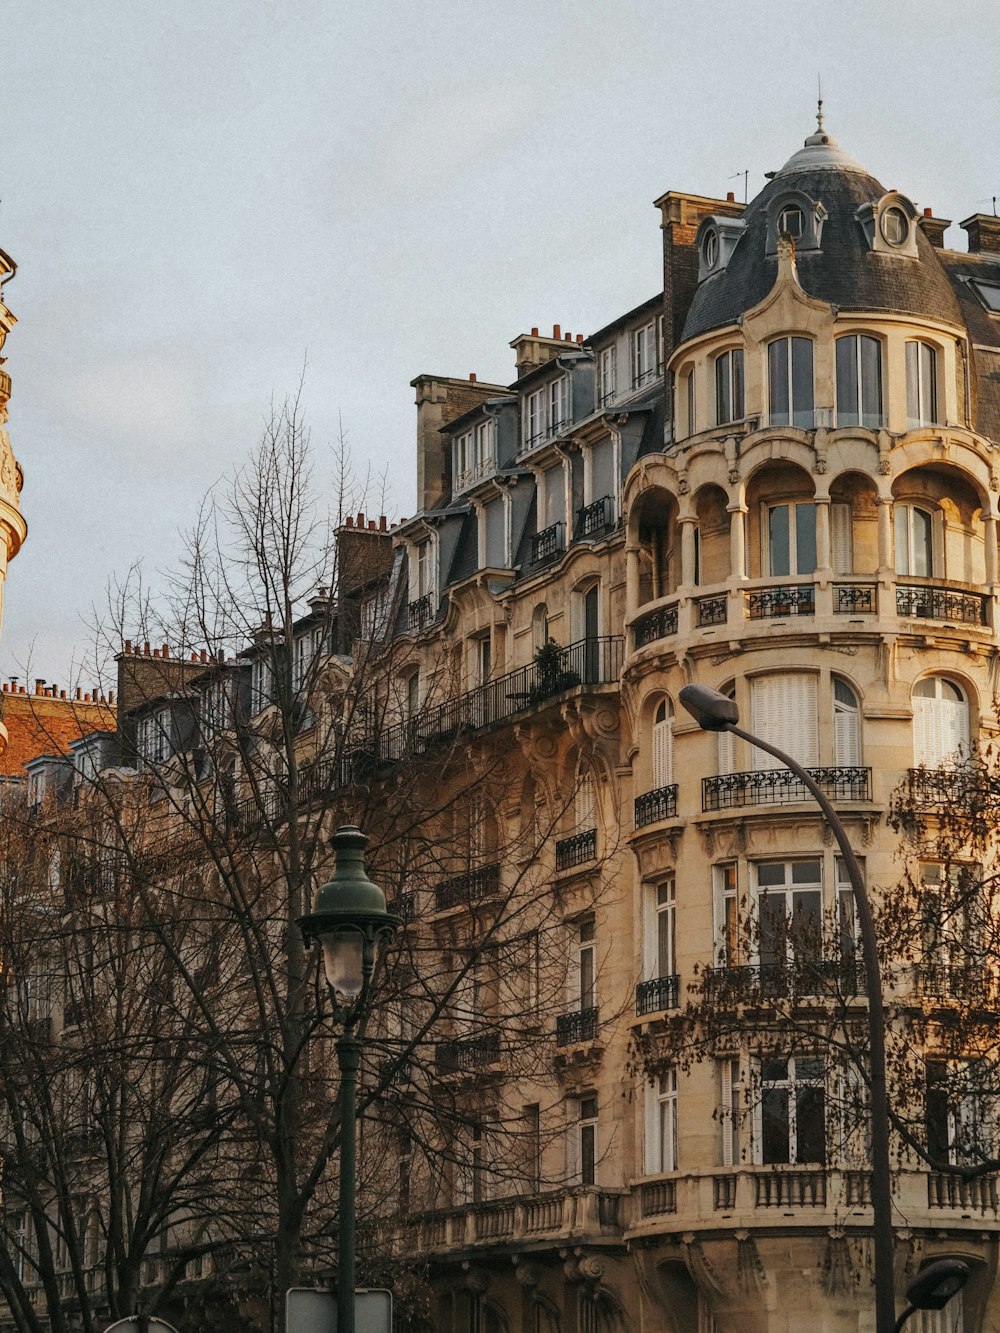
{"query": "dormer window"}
pixel 546 412
pixel 794 214
pixel 790 221
pixel 473 454
pixel 643 355
pixel 894 226
pixel 710 249
pixel 890 225
pixel 716 239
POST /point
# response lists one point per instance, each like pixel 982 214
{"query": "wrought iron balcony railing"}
pixel 420 612
pixel 453 1057
pixel 548 543
pixel 962 785
pixel 854 598
pixel 798 599
pixel 657 995
pixel 759 983
pixel 658 624
pixel 966 981
pixel 780 786
pixel 924 602
pixel 472 887
pixel 595 519
pixel 651 806
pixel 576 850
pixel 579 1026
pixel 595 661
pixel 713 610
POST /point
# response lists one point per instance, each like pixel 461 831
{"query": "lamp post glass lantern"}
pixel 350 922
pixel 714 711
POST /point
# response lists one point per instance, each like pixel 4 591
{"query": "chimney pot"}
pixel 111 696
pixel 78 693
pixel 361 520
pixel 381 522
pixel 6 687
pixel 22 689
pixel 62 694
pixel 165 651
pixel 567 337
pixel 730 198
pixel 556 331
pixel 579 337
pixel 128 647
pixel 534 332
pixel 204 654
pixel 86 698
pixel 928 212
pixel 156 652
pixel 472 377
pixel 145 648
pixel 371 525
pixel 39 685
pixel 349 523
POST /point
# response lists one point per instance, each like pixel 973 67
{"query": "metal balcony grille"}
pixel 653 997
pixel 713 610
pixel 659 624
pixel 451 1057
pixel 759 983
pixel 548 544
pixel 576 1027
pixel 576 850
pixel 792 600
pixel 780 786
pixel 420 612
pixel 472 887
pixel 854 598
pixel 927 603
pixel 595 518
pixel 661 803
pixel 953 981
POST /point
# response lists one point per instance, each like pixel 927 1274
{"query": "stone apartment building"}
pixel 609 1083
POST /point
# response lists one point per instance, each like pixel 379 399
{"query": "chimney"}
pixel 472 377
pixel 39 685
pixel 983 231
pixel 934 228
pixel 556 332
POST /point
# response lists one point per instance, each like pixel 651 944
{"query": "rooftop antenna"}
pixel 746 177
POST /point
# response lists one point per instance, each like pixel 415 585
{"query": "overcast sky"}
pixel 201 197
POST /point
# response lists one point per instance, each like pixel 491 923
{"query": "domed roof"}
pixel 845 270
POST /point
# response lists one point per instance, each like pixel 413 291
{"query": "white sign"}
pixel 310 1311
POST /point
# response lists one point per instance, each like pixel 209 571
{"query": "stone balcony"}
pixel 578 1214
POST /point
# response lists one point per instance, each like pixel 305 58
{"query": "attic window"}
pixel 790 221
pixel 710 249
pixel 989 294
pixel 895 226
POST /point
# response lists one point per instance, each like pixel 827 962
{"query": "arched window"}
pixel 663 745
pixel 859 381
pixel 784 713
pixel 846 726
pixel 940 722
pixel 540 626
pixel 584 803
pixel 790 381
pixel 729 386
pixel 914 536
pixel 921 385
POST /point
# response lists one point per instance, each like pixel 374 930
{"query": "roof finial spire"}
pixel 819 104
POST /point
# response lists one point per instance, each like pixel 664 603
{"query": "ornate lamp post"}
pixel 933 1287
pixel 715 712
pixel 350 921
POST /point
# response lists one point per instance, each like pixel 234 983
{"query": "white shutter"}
pixel 652 1162
pixel 728 1112
pixel 954 726
pixel 840 538
pixel 846 735
pixel 663 751
pixel 784 713
pixel 926 731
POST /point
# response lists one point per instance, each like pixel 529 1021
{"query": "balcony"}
pixel 790 1187
pixel 420 613
pixel 472 887
pixel 596 519
pixel 454 1057
pixel 548 544
pixel 583 1213
pixel 926 602
pixel 658 624
pixel 780 786
pixel 964 786
pixel 712 610
pixel 854 599
pixel 576 850
pixel 652 806
pixel 797 599
pixel 976 1194
pixel 965 981
pixel 578 1027
pixel 762 983
pixel 657 1197
pixel 657 995
pixel 594 661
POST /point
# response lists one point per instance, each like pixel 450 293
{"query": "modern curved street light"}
pixel 933 1287
pixel 716 712
pixel 350 922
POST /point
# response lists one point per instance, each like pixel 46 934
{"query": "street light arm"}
pixel 885 1304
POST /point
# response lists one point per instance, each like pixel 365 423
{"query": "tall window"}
pixel 413 694
pixel 859 381
pixel 790 381
pixel 583 1145
pixel 643 355
pixel 940 722
pixel 784 712
pixel 607 375
pixel 847 919
pixel 534 417
pixel 584 804
pixel 661 931
pixel 921 385
pixel 963 1111
pixel 730 1102
pixel 729 386
pixel 791 539
pixel 726 915
pixel 663 745
pixel 792 1111
pixel 261 683
pixel 660 1137
pixel 914 534
pixel 586 965
pixel 558 404
pixel 789 912
pixel 846 726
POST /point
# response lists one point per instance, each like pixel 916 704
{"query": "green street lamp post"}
pixel 350 921
pixel 715 712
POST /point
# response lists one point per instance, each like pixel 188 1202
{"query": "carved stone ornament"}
pixel 9 470
pixel 527 1275
pixel 751 1275
pixel 884 467
pixel 734 475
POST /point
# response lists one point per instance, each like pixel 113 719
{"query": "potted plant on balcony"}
pixel 551 675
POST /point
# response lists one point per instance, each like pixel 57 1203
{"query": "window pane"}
pixel 807 926
pixel 810 1135
pixel 806 872
pixel 773 929
pixel 587 1146
pixel 921 542
pixel 778 548
pixel 928 382
pixel 871 382
pixel 737 363
pixel 723 400
pixel 802 383
pixel 912 384
pixel 774 1125
pixel 847 382
pixel 805 539
pixel 777 369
